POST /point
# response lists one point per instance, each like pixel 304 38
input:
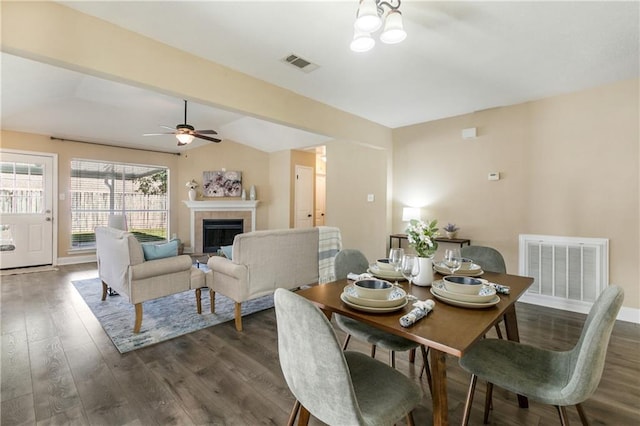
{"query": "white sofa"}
pixel 265 260
pixel 122 267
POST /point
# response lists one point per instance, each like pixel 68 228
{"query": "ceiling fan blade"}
pixel 168 128
pixel 207 132
pixel 207 138
pixel 159 134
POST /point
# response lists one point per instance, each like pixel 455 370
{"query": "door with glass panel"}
pixel 26 210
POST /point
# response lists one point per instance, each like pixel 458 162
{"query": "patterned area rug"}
pixel 163 318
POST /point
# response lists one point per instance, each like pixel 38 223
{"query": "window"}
pixel 21 188
pixel 99 189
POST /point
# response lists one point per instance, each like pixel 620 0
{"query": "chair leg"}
pixel 294 413
pixel 373 351
pixel 487 402
pixel 212 300
pixel 583 416
pixel 426 368
pixel 104 291
pixel 469 401
pixel 138 324
pixel 498 331
pixel 392 359
pixel 346 342
pixel 412 355
pixel 238 316
pixel 409 417
pixel 198 301
pixel 562 412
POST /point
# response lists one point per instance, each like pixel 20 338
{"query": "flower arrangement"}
pixel 192 184
pixel 421 236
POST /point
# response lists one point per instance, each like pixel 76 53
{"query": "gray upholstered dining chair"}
pixel 490 260
pixel 336 387
pixel 354 261
pixel 559 378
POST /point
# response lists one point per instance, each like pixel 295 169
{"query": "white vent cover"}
pixel 300 63
pixel 568 272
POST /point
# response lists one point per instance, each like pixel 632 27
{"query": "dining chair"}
pixel 490 260
pixel 354 261
pixel 335 386
pixel 559 378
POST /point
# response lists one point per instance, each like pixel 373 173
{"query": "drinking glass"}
pixel 452 259
pixel 395 258
pixel 410 267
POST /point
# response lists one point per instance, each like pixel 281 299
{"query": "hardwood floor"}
pixel 59 367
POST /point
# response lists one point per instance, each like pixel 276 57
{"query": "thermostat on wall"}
pixel 494 176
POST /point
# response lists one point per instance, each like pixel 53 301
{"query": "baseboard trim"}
pixel 625 314
pixel 74 260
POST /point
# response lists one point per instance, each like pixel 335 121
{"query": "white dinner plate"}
pixel 344 298
pixel 386 275
pixel 460 304
pixel 396 298
pixel 487 294
pixel 466 272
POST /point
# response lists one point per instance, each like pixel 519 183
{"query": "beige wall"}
pixel 67 151
pixel 568 164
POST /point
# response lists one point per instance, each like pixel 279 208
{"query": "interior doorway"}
pixel 304 197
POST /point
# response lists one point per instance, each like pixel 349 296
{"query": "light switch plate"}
pixel 494 176
pixel 371 198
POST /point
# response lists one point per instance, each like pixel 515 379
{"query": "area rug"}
pixel 163 318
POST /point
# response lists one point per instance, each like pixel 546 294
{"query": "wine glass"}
pixel 410 267
pixel 395 259
pixel 452 259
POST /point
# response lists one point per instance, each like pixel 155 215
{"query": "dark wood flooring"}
pixel 59 367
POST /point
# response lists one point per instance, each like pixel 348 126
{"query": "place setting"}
pixel 465 292
pixel 389 268
pixel 374 295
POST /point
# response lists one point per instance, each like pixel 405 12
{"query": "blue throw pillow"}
pixel 227 251
pixel 158 251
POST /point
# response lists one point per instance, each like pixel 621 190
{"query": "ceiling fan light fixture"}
pixel 367 19
pixel 393 29
pixel 184 138
pixel 362 42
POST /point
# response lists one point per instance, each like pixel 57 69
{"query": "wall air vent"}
pixel 300 63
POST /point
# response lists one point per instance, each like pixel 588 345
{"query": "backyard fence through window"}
pixel 99 189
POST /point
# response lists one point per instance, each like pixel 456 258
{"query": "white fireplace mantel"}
pixel 220 205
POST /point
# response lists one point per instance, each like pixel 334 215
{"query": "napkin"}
pixel 355 277
pixel 502 289
pixel 422 308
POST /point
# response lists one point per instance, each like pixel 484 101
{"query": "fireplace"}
pixel 219 232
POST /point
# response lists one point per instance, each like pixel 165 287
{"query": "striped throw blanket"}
pixel 329 244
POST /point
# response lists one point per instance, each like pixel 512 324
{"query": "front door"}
pixel 26 210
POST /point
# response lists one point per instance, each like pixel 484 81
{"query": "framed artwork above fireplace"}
pixel 221 183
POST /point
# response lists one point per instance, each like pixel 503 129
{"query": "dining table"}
pixel 446 330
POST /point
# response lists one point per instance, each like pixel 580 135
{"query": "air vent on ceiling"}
pixel 300 63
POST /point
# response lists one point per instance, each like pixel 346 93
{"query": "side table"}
pixel 400 237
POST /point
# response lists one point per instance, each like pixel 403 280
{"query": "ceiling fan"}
pixel 185 133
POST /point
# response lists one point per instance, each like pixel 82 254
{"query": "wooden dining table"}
pixel 447 329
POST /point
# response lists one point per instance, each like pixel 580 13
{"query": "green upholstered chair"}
pixel 354 261
pixel 550 377
pixel 336 387
pixel 489 259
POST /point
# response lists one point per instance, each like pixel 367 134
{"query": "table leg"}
pixel 511 325
pixel 438 364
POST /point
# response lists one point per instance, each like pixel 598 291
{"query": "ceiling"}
pixel 458 57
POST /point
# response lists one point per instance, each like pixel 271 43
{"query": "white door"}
pixel 303 203
pixel 26 210
pixel 321 184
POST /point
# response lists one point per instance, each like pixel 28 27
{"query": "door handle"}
pixel 48 219
pixel 308 215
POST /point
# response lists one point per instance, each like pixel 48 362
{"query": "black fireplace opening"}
pixel 219 232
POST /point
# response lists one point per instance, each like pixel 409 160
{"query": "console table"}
pixel 400 237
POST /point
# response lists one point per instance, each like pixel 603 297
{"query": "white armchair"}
pixel 122 267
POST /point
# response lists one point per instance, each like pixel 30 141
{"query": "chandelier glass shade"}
pixel 184 138
pixel 369 18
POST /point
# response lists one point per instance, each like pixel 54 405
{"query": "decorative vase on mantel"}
pixel 243 195
pixel 192 194
pixel 252 193
pixel 425 277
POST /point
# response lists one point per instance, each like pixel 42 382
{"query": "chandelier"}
pixel 369 19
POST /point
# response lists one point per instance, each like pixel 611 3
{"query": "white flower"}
pixel 192 184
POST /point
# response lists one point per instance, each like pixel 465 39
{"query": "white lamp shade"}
pixel 409 213
pixel 362 42
pixel 368 20
pixel 393 29
pixel 184 138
